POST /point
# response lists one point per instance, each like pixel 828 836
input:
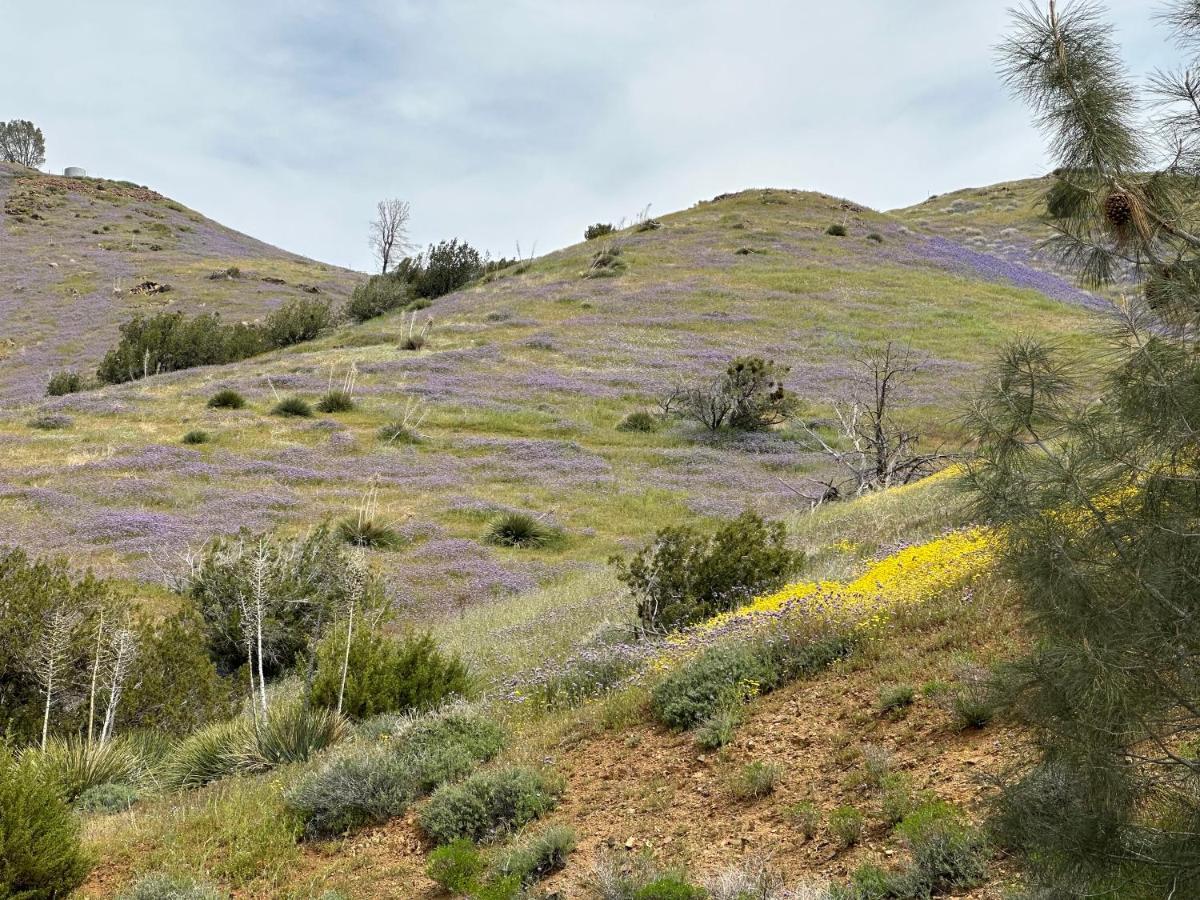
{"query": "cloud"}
pixel 524 120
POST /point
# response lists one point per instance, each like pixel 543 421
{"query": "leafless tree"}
pixel 121 652
pixel 52 651
pixel 873 446
pixel 389 232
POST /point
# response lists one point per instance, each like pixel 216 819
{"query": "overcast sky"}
pixel 519 120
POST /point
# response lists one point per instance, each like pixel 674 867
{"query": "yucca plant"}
pixel 196 436
pixel 226 399
pixel 296 407
pixel 339 399
pixel 292 733
pixel 411 337
pixel 521 530
pixel 74 764
pixel 364 529
pixel 213 752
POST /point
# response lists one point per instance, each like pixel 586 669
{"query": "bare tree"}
pixel 51 656
pixel 22 142
pixel 389 232
pixel 873 446
pixel 122 650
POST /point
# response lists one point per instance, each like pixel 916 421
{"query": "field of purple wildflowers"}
pixel 517 393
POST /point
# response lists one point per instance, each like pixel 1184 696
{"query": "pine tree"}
pixel 1093 473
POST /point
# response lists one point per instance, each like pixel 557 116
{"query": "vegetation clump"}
pixel 65 382
pixel 521 530
pixel 749 395
pixel 684 576
pixel 487 803
pixel 197 436
pixel 226 398
pixel 639 421
pixel 836 230
pixel 293 407
pixel 377 295
pixel 600 229
pixel 298 320
pixel 336 401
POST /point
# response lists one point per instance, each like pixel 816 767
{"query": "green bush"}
pixel 875 237
pixel 167 342
pixel 305 578
pixel 806 817
pixel 456 866
pixel 948 853
pixel 335 402
pixel 169 887
pixel 387 674
pixel 51 422
pixel 600 229
pixel 718 729
pixel 197 436
pixel 755 780
pixel 684 577
pixel 606 263
pixel 521 530
pixel 706 684
pixel 379 294
pixel 535 857
pixel 298 320
pixel 372 783
pixel 65 382
pixel 847 825
pixel 360 531
pixel 294 407
pixel 640 421
pixel 487 803
pixel 107 798
pixel 227 398
pixel 836 230
pixel 445 267
pixel 40 852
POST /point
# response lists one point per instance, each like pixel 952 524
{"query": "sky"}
pixel 522 120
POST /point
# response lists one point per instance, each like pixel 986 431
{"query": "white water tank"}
pixel 74 172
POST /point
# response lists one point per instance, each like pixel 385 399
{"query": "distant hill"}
pixel 74 250
pixel 518 390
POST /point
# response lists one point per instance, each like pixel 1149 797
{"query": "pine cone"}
pixel 1118 209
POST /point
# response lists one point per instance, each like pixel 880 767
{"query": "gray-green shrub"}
pixel 160 886
pixel 487 803
pixel 107 798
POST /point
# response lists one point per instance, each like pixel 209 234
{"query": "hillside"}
pixel 73 252
pixel 518 391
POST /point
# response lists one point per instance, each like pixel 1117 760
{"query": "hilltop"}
pixel 79 256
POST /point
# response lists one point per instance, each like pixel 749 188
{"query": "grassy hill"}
pixel 75 250
pixel 516 396
pixel 520 388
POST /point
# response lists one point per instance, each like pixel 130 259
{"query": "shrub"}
pixel 718 729
pixel 293 407
pixel 379 294
pixel 335 402
pixel 370 784
pixel 755 780
pixel 684 576
pixel 605 263
pixel 305 579
pixel 896 697
pixel 520 530
pixel 877 763
pixel 948 854
pixel 298 320
pixel 167 342
pixel 806 817
pixel 847 824
pixel 73 765
pixel 65 382
pixel 387 674
pixel 107 798
pixel 360 531
pixel 706 684
pixel 40 851
pixel 639 420
pixel 227 398
pixel 487 803
pixel 753 390
pixel 598 230
pixel 587 675
pixel 445 267
pixel 197 436
pixel 398 433
pixel 875 237
pixel 212 753
pixel 535 857
pixel 292 733
pixel 896 800
pixel 51 422
pixel 171 887
pixel 456 866
pixel 836 230
pixel 972 707
pixel 755 879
